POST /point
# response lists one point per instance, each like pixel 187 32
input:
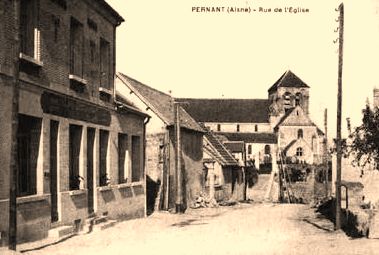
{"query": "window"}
pixel 299 152
pixel 76 48
pixel 105 64
pixel 249 149
pixel 218 127
pixel 92 47
pixel 238 127
pixel 287 100
pixel 256 128
pixel 29 32
pixel 75 138
pixel 104 140
pixel 123 158
pixel 136 159
pixel 267 149
pixel 56 22
pixel 28 137
pixel 299 133
pixel 298 99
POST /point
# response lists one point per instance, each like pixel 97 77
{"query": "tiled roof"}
pixel 123 103
pixel 219 151
pixel 268 138
pixel 160 103
pixel 235 146
pixel 228 110
pixel 288 79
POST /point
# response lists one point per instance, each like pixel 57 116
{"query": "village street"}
pixel 242 229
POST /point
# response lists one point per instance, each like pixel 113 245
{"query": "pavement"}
pixel 255 228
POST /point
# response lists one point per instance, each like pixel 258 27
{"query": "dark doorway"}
pixel 90 160
pixel 54 125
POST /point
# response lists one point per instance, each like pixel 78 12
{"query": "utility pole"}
pixel 13 169
pixel 326 152
pixel 178 161
pixel 339 114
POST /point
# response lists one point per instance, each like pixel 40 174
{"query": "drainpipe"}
pixel 12 232
pixel 145 122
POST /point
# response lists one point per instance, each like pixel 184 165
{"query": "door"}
pixel 53 169
pixel 90 160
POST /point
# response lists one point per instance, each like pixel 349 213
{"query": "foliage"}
pixel 364 144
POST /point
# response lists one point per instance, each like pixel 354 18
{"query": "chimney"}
pixel 376 97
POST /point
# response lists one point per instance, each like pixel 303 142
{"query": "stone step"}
pixel 61 231
pixel 104 225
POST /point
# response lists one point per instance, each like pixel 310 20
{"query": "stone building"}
pixel 280 123
pixel 80 154
pixel 161 150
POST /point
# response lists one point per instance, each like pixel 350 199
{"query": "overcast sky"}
pixel 211 55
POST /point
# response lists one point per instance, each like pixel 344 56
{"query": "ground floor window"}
pixel 75 138
pixel 136 159
pixel 104 140
pixel 28 138
pixel 123 158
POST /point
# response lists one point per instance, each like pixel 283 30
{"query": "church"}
pixel 279 124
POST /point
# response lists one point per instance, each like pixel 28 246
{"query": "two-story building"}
pixel 80 153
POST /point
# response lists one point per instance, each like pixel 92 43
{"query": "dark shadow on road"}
pixel 49 244
pixel 190 222
pixel 319 226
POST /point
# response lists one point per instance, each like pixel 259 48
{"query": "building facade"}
pixel 80 154
pixel 161 148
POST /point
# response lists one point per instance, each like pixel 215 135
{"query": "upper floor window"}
pixel 300 133
pixel 298 99
pixel 218 127
pixel 256 128
pixel 29 32
pixel 249 149
pixel 76 48
pixel 267 149
pixel 299 152
pixel 105 64
pixel 287 100
pixel 238 127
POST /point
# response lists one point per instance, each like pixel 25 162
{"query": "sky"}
pixel 166 45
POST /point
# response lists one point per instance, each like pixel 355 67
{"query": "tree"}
pixel 364 144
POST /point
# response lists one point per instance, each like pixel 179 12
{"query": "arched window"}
pixel 238 127
pixel 287 99
pixel 256 128
pixel 267 149
pixel 298 98
pixel 299 152
pixel 299 133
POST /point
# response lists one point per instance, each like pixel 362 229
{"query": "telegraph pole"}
pixel 178 161
pixel 339 114
pixel 326 152
pixel 12 232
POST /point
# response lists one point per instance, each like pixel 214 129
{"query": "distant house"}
pixel 223 167
pixel 161 144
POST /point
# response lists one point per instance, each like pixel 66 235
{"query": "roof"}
pixel 268 138
pixel 235 146
pixel 111 11
pixel 160 103
pixel 288 79
pixel 228 110
pixel 219 151
pixel 125 105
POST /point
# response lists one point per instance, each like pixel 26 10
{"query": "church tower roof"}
pixel 288 79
